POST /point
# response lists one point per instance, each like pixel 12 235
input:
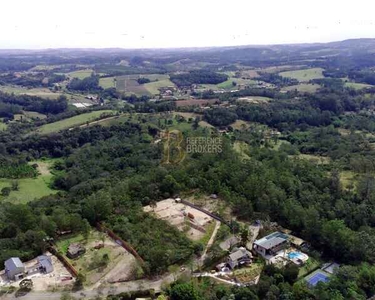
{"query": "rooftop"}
pixel 12 263
pixel 75 248
pixel 272 240
pixel 239 254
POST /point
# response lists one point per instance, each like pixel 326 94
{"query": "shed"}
pixel 45 264
pixel 14 268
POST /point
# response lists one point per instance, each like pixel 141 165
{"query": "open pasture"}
pixel 72 122
pixel 30 188
pixel 80 74
pixel 193 102
pixel 304 75
pixel 303 88
pixel 39 92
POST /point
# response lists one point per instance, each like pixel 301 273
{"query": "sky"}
pixel 39 24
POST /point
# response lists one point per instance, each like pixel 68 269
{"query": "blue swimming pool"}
pixel 293 255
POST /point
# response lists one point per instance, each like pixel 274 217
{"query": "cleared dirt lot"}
pixel 177 214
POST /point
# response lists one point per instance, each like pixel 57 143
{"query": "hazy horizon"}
pixel 181 24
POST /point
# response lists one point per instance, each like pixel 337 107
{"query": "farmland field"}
pixel 303 88
pixel 80 74
pixel 192 102
pixel 31 188
pixel 40 92
pixel 249 73
pixel 107 82
pixel 304 75
pixel 71 122
pixel 129 84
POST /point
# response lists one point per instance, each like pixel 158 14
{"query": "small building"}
pixel 45 264
pixel 271 244
pixel 14 268
pixel 239 257
pixel 75 250
pixel 330 268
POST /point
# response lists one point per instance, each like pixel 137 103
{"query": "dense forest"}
pixel 198 76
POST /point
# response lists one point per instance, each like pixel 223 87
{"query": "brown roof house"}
pixel 75 250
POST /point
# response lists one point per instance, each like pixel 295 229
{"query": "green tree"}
pixel 5 191
pixel 184 291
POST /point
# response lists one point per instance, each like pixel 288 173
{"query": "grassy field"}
pixel 357 86
pixel 80 73
pixel 71 122
pixel 254 99
pixel 303 88
pixel 30 188
pixel 305 74
pixel 107 82
pixel 311 265
pixel 209 230
pixel 153 87
pixel 195 102
pixel 278 69
pixel 34 115
pixel 40 92
pixel 228 84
